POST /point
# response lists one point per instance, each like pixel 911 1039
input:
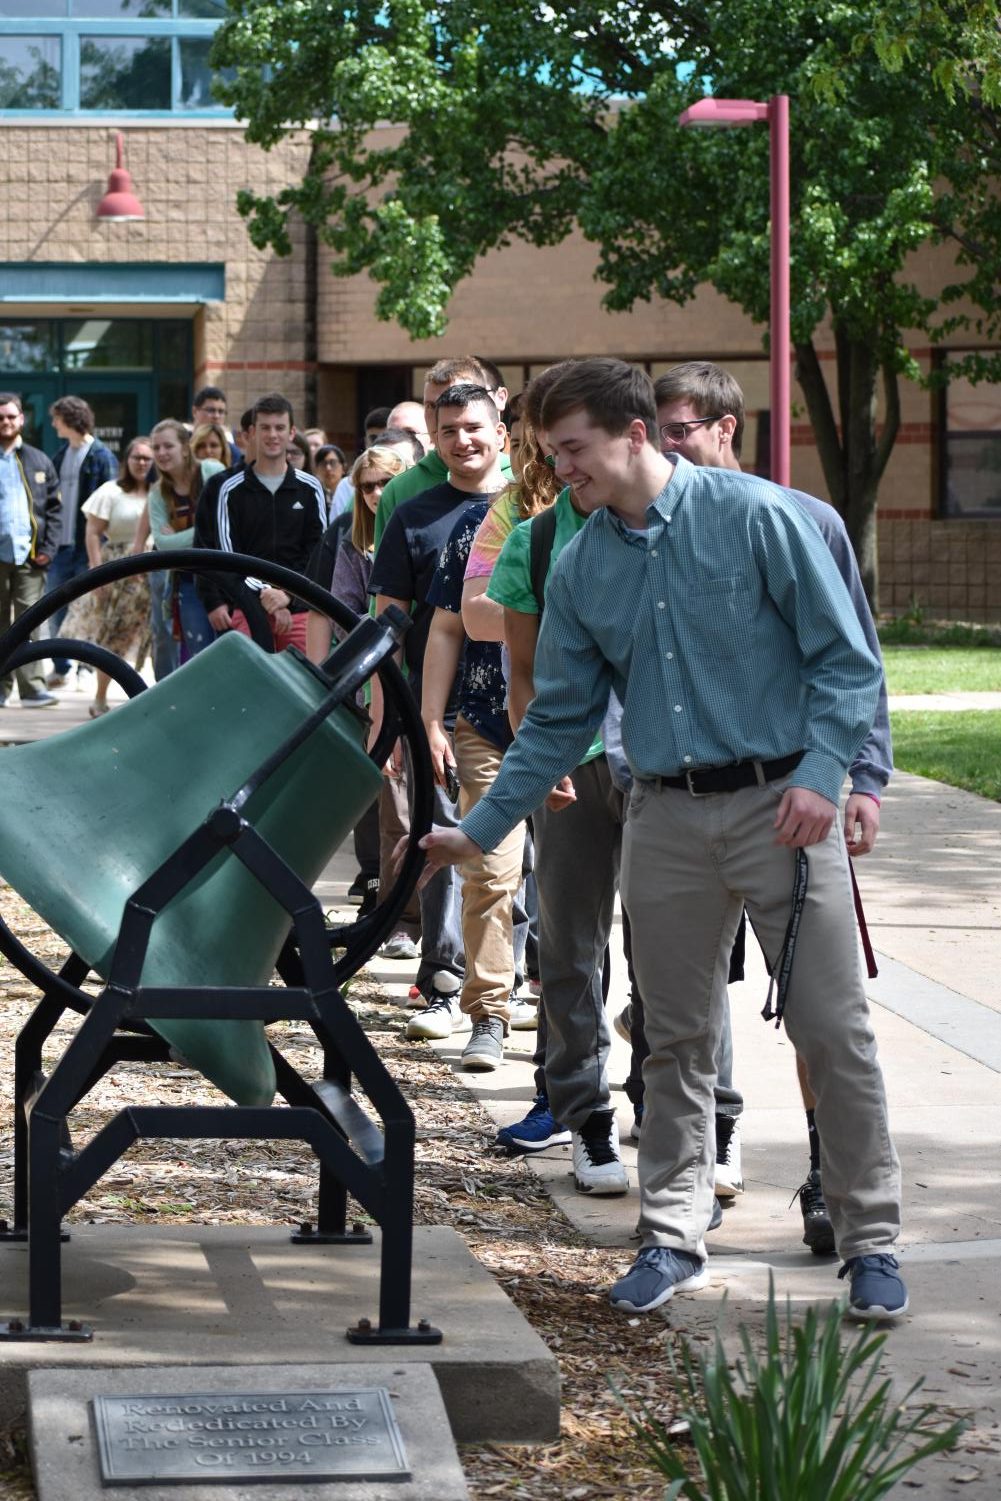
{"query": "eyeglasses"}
pixel 371 485
pixel 677 432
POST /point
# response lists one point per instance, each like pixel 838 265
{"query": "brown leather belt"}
pixel 731 778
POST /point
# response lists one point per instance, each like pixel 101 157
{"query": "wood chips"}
pixel 557 1279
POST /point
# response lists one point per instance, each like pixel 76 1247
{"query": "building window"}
pixel 31 72
pixel 119 72
pixel 971 449
pixel 112 56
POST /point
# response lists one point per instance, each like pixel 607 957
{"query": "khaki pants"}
pixel 21 586
pixel 394 825
pixel 490 883
pixel 688 865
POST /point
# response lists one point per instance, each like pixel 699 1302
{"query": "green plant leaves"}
pixel 805 1412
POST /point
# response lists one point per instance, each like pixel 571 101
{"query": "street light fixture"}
pixel 120 204
pixel 728 112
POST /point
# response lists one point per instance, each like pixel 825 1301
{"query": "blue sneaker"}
pixel 656 1275
pixel 536 1132
pixel 877 1289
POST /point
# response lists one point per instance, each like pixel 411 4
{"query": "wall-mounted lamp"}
pixel 120 204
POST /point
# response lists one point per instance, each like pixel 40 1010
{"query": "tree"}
pixel 518 119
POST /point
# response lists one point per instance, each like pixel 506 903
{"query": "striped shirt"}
pixel 725 630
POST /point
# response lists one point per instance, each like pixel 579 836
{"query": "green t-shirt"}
pixel 511 581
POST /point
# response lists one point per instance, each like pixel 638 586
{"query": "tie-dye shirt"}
pixel 498 524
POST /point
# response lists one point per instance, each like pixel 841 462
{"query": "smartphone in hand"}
pixel 451 781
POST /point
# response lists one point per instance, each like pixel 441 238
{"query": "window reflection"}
pixel 32 10
pixel 972 458
pixel 30 72
pixel 124 72
pixel 116 10
pixel 106 344
pixel 196 75
pixel 27 346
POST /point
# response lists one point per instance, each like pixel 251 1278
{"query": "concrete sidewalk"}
pixel 932 893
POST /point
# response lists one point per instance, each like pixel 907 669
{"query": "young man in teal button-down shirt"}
pixel 711 604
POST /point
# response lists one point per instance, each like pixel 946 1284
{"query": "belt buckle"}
pixel 691 788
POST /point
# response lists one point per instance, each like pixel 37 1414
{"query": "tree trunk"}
pixel 852 451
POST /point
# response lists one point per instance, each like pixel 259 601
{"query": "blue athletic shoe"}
pixel 877 1289
pixel 656 1275
pixel 536 1132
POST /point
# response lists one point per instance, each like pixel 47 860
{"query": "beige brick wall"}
pixel 187 179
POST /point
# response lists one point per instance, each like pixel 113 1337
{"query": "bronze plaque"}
pixel 247 1436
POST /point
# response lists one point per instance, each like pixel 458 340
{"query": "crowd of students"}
pixel 631 660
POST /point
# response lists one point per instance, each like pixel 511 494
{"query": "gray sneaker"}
pixel 399 946
pixel 485 1049
pixel 656 1275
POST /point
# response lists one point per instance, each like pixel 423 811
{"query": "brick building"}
pixel 135 315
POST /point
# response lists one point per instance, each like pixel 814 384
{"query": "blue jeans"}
pixel 68 562
pixel 196 627
pixel 440 903
pixel 161 626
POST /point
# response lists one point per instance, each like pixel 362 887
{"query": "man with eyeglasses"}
pixel 700 414
pixel 30 526
pixel 711 606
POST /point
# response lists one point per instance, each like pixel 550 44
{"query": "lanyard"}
pixel 782 969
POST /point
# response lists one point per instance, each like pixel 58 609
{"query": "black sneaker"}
pixel 356 891
pixel 370 898
pixel 818 1232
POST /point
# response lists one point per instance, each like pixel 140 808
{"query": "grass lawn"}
pixel 963 749
pixel 942 669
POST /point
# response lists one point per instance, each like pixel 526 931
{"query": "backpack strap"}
pixel 542 535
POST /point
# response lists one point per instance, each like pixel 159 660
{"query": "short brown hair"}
pixel 454 372
pixel 710 389
pixel 11 398
pixel 612 393
pixel 75 412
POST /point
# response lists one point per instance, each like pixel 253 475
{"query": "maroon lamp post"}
pixel 749 112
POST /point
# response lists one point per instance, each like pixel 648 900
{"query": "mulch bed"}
pixel 557 1279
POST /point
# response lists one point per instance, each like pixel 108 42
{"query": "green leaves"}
pixel 810 1414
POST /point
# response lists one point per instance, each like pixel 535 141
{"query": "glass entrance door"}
pixel 122 407
pixel 130 370
pixel 38 393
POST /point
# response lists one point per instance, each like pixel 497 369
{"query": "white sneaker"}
pixel 729 1175
pixel 597 1165
pixel 522 1016
pixel 440 1018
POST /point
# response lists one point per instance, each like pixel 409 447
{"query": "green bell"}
pixel 87 816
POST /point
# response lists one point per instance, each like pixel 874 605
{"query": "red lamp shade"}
pixel 120 203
